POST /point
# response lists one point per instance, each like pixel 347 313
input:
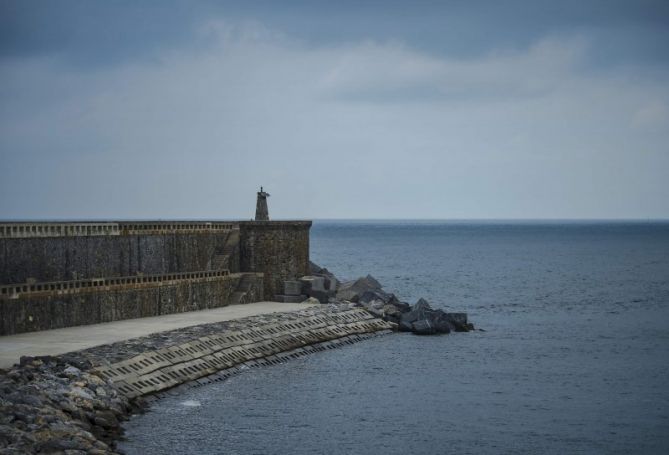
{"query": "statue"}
pixel 262 213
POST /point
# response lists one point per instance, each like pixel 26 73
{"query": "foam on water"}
pixel 191 403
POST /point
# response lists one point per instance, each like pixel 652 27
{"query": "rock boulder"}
pixel 426 320
pixel 353 290
pixel 423 327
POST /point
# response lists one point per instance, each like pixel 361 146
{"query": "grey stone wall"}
pixel 255 291
pixel 77 257
pixel 52 252
pixel 42 312
pixel 278 249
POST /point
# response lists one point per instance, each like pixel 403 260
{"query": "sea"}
pixel 570 355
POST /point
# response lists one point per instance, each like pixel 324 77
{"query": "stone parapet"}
pixel 32 230
pixel 174 227
pixel 56 229
pixel 276 225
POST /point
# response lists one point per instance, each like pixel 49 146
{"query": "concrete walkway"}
pixel 60 341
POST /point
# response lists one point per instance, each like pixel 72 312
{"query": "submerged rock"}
pixel 459 321
pixel 442 324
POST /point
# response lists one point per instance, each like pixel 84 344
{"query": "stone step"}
pixel 231 243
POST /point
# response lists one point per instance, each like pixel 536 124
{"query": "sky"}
pixel 348 109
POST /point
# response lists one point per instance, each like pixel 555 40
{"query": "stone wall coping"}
pixel 33 229
pixel 15 291
pixel 18 229
pixel 278 224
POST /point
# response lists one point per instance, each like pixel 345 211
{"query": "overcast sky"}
pixel 462 109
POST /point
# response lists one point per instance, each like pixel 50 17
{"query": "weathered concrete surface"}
pixel 59 341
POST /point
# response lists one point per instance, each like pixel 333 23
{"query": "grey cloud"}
pixel 102 33
pixel 353 128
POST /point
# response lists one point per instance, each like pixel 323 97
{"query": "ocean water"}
pixel 574 357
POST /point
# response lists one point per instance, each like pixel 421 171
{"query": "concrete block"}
pixel 290 298
pixel 322 296
pixel 314 283
pixel 331 283
pixel 292 287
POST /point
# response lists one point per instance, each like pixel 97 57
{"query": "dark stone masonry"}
pixel 110 302
pixel 280 250
pixel 262 212
pixel 64 274
pixel 75 257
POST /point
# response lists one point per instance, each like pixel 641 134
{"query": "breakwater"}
pixel 161 364
pixel 76 401
pixel 63 274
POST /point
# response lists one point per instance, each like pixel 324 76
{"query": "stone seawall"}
pixel 39 254
pixel 76 401
pixel 62 258
pixel 44 306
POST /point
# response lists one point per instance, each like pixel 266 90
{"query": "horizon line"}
pixel 106 219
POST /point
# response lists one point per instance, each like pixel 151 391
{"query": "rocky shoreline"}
pixel 49 405
pixel 75 403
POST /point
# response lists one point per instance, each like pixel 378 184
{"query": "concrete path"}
pixel 60 341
